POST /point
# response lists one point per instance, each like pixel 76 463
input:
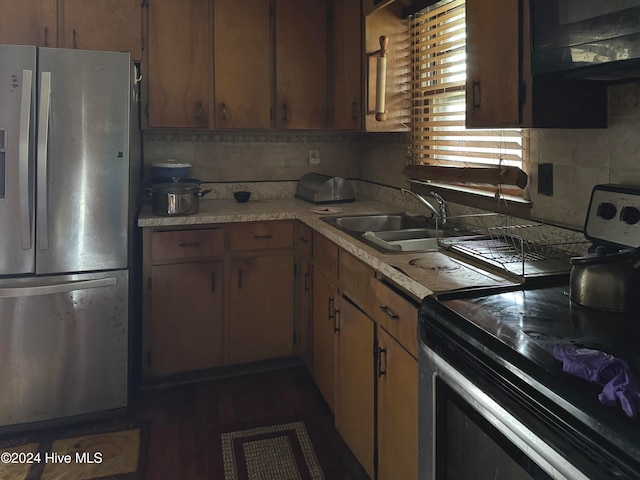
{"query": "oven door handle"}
pixel 545 456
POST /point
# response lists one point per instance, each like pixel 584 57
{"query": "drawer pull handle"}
pixel 304 240
pixel 336 321
pixel 307 281
pixel 388 312
pixel 263 237
pixel 189 244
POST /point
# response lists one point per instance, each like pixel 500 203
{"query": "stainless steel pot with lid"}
pixel 176 198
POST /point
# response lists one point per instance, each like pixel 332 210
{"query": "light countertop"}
pixel 418 273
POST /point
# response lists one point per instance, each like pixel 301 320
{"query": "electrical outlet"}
pixel 545 179
pixel 314 157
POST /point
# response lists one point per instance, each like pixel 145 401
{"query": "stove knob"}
pixel 607 210
pixel 630 215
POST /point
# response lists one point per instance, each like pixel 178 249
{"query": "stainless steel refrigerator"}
pixel 66 209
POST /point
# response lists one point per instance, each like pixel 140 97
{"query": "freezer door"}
pixel 17 83
pixel 82 160
pixel 63 347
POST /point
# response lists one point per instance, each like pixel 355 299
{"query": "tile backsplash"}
pixel 580 158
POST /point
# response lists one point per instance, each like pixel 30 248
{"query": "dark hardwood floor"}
pixel 181 424
pixel 184 422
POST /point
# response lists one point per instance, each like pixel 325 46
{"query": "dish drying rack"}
pixel 518 247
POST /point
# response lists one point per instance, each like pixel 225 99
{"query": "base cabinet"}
pixel 397 410
pixel 354 415
pixel 325 294
pixel 260 308
pixel 216 295
pixel 364 361
pixel 186 308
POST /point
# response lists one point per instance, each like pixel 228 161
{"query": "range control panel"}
pixel 613 217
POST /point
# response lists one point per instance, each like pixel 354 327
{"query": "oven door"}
pixel 474 422
pixel 465 433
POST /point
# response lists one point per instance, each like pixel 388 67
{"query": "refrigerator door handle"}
pixel 57 288
pixel 23 158
pixel 43 140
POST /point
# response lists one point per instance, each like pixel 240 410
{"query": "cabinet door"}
pixel 325 295
pixel 304 310
pixel 397 411
pixel 261 308
pixel 347 65
pixel 242 39
pixel 112 25
pixel 493 68
pixel 28 22
pixel 303 244
pixel 186 317
pixel 179 63
pixel 354 415
pixel 388 22
pixel 301 64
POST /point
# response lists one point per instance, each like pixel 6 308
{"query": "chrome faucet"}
pixel 441 212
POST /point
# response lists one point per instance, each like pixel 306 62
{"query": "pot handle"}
pixel 204 192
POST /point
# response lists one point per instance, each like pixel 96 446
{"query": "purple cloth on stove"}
pixel 605 370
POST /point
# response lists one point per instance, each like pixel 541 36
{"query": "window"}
pixel 489 162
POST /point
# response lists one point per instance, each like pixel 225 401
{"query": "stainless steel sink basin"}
pixel 398 232
pixel 378 223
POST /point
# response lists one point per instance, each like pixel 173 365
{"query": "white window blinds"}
pixel 438 136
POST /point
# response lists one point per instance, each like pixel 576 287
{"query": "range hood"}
pixel 586 39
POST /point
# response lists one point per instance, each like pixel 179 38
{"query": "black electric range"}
pixel 519 328
pixel 502 339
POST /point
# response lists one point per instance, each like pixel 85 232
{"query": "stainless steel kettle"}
pixel 607 281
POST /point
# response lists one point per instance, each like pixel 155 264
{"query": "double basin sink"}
pixel 397 232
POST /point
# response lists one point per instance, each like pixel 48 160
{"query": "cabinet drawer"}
pixel 395 313
pixel 355 279
pixel 180 244
pixel 325 256
pixel 261 236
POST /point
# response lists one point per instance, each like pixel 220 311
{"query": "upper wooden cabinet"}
pixel 346 77
pixel 113 25
pixel 301 64
pixel 243 84
pixel 179 68
pixel 268 59
pixel 110 25
pixel 387 22
pixel 500 89
pixel 28 22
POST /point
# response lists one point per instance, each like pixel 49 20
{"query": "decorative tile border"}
pixel 236 136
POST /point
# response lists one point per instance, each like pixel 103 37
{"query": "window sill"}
pixel 508 204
